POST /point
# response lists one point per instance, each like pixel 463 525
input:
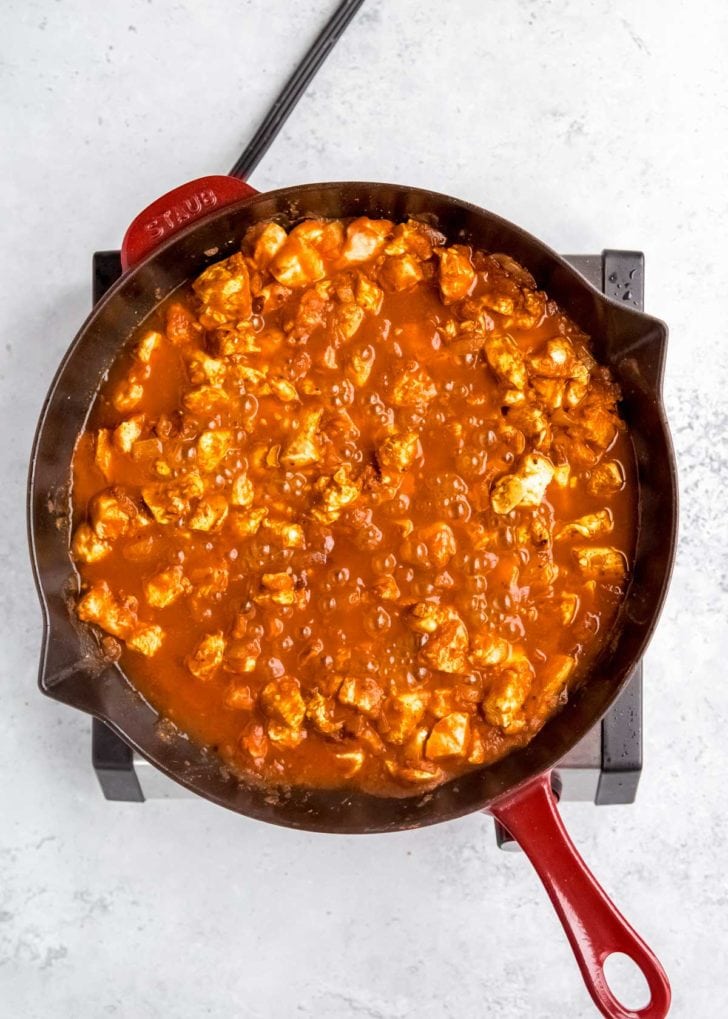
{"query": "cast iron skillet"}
pixel 174 240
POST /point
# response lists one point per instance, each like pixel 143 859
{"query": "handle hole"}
pixel 626 981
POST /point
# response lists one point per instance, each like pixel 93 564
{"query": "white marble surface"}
pixel 593 124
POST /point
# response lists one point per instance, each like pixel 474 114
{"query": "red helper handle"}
pixel 594 926
pixel 177 209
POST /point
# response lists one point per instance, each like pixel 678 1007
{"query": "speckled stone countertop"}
pixel 593 124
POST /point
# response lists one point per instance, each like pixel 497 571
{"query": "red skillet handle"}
pixel 593 925
pixel 178 209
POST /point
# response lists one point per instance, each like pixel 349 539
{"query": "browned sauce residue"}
pixel 358 505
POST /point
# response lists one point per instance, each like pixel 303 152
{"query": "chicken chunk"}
pixel 365 238
pixel 112 514
pixel 147 639
pixel 504 701
pixel 170 502
pixel 269 242
pixel 165 588
pixel 242 656
pixel 224 292
pixel 246 524
pixel 488 649
pixel 446 649
pixel 207 657
pixel 282 702
pixel 127 433
pixel 297 263
pixel 449 737
pixel 423 773
pixel 401 714
pixel 525 487
pixel 205 400
pixel 603 564
pixel 336 493
pixel 320 712
pixel 304 448
pixel 243 492
pixel 413 387
pixel 254 741
pixel 212 446
pixel 439 540
pixel 456 273
pixel 606 478
pixel 557 360
pixel 349 762
pixel 401 272
pixel 128 396
pixel 368 295
pixel 399 451
pixel 98 605
pixel 210 513
pixel 103 452
pixel 506 360
pixel 87 547
pixel 285 736
pixel 592 525
pixel 359 365
pixel 202 369
pixel 239 698
pixel 347 319
pixel 181 327
pixel 147 346
pixel 287 534
pixel 362 693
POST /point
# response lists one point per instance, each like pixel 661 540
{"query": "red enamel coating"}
pixel 594 926
pixel 177 209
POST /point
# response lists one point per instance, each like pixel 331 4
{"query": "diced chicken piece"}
pixel 550 392
pixel 169 502
pixel 87 547
pixel 312 311
pixel 385 587
pixel 128 432
pixel 282 702
pixel 165 588
pixel 239 698
pixel 349 762
pixel 449 737
pixel 599 426
pixel 147 346
pixel 224 292
pixel 304 448
pixel 99 606
pixel 284 390
pixel 533 422
pixel 243 492
pixel 413 387
pixel 503 703
pixel 281 586
pixel 417 238
pixel 210 513
pixel 287 534
pixel 112 514
pixel 320 710
pixel 255 741
pixel 606 478
pixel 604 564
pixel 488 650
pixel 362 693
pixel 146 449
pixel 181 326
pixel 127 396
pixel 336 493
pixel 246 524
pixel 401 714
pixel 424 773
pixel 506 360
pixel 207 657
pixel 556 361
pixel 525 487
pixel 359 365
pixel 398 452
pixel 212 446
pixel 368 295
pixel 365 238
pixel 242 656
pixel 103 452
pixel 589 526
pixel 429 616
pixel 439 540
pixel 401 272
pixel 146 639
pixel 209 581
pixel 348 318
pixel 270 241
pixel 578 386
pixel 297 263
pixel 326 236
pixel 202 369
pixel 442 701
pixel 446 649
pixel 562 474
pixel 456 273
pixel 285 736
pixel 205 400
